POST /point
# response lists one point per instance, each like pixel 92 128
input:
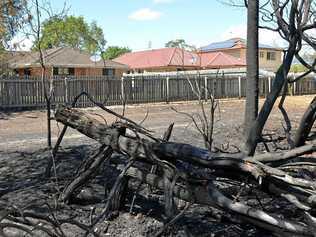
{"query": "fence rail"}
pixel 25 93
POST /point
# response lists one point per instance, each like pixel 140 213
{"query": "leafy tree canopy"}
pixel 114 51
pixel 296 68
pixel 179 43
pixel 71 31
pixel 11 19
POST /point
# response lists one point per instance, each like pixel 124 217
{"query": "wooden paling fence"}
pixel 27 93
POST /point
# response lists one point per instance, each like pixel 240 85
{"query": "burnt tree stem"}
pixel 211 196
pixel 252 92
pixel 113 136
pixel 255 131
pixel 87 172
pixel 299 192
pixel 49 129
pixel 306 124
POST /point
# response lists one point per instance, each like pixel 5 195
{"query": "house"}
pixel 270 58
pixel 160 60
pixel 176 59
pixel 220 60
pixel 6 57
pixel 64 62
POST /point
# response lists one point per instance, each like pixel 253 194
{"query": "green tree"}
pixel 114 51
pixel 179 43
pixel 71 31
pixel 11 19
pixel 296 68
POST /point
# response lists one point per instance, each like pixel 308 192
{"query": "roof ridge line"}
pixel 172 55
pixel 212 60
pixel 37 59
pixel 231 57
pixel 55 51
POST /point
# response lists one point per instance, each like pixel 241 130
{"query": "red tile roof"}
pixel 178 57
pixel 220 60
pixel 159 58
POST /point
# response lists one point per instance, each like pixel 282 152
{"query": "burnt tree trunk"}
pixel 86 172
pixel 171 152
pixel 306 124
pixel 252 91
pixel 299 192
pixel 49 119
pixel 254 135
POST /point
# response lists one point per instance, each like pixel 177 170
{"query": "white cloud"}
pixel 265 36
pixel 20 43
pixel 163 1
pixel 145 14
pixel 271 38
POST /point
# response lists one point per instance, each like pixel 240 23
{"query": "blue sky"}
pixel 134 23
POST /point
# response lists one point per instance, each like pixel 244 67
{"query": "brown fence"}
pixel 24 93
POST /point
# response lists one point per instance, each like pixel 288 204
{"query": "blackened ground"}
pixel 23 160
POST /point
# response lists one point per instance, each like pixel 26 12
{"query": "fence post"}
pixel 133 89
pixel 205 88
pixel 167 90
pixel 122 90
pixel 294 85
pixel 294 88
pixel 66 90
pixel 214 87
pixel 269 84
pixel 239 86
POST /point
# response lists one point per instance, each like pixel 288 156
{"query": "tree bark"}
pixel 193 156
pixel 211 196
pixel 299 192
pixel 254 135
pixel 49 129
pixel 306 124
pixel 252 91
pixel 85 173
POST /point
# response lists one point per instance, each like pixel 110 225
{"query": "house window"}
pixel 27 72
pixel 271 56
pixel 71 71
pixel 108 72
pixel 63 71
pixel 261 54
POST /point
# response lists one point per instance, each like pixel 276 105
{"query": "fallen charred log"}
pixel 178 165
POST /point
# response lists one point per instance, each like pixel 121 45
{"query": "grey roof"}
pixel 13 56
pixel 219 45
pixel 62 57
pixel 231 43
